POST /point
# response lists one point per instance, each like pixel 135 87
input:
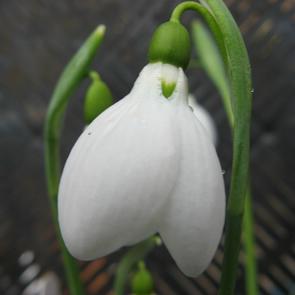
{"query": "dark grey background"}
pixel 37 38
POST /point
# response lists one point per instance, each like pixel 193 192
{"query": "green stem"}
pixel 130 259
pixel 249 245
pixel 70 79
pixel 207 17
pixel 240 78
pixel 234 53
pixel 214 66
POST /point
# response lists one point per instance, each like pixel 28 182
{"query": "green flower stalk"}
pixel 249 246
pixel 213 65
pixel 238 68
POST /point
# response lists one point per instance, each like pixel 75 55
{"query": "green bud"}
pixel 98 98
pixel 142 282
pixel 170 44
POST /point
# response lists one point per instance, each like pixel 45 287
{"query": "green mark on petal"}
pixel 167 88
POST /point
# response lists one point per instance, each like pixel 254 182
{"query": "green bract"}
pixel 170 44
pixel 98 98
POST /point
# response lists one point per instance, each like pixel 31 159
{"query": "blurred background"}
pixel 37 39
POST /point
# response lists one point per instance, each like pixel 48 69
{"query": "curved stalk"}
pixel 68 82
pixel 249 246
pixel 207 17
pixel 236 59
pixel 214 67
pixel 240 78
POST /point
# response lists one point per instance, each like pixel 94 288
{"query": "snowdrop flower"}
pixel 204 117
pixel 146 165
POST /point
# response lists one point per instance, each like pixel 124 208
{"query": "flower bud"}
pixel 98 98
pixel 142 282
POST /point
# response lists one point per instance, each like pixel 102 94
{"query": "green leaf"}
pixel 211 61
pixel 68 82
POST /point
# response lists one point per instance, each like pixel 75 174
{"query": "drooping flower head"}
pixel 146 165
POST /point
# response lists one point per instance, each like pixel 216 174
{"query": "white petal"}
pixel 204 117
pixel 193 221
pixel 169 73
pixel 122 169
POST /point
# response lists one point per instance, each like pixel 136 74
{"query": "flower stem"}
pixel 207 17
pixel 212 63
pixel 235 57
pixel 249 246
pixel 68 82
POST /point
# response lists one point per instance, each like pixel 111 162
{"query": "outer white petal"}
pixel 193 220
pixel 122 170
pixel 204 117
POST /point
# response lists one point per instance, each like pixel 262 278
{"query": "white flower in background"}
pixel 146 165
pixel 204 117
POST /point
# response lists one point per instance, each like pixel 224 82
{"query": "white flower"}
pixel 145 165
pixel 204 117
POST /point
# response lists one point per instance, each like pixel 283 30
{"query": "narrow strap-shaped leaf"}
pixel 212 64
pixel 69 80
